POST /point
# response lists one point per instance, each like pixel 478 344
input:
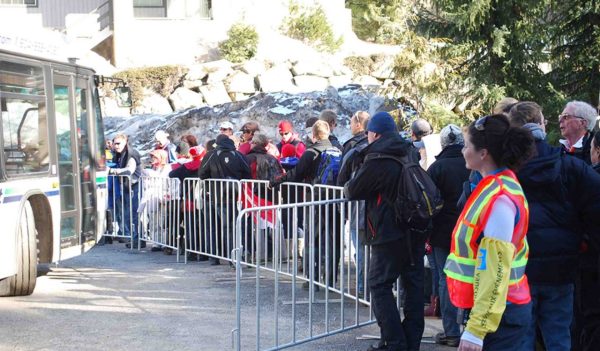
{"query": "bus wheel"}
pixel 23 282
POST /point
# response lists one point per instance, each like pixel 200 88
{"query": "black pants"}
pixel 388 262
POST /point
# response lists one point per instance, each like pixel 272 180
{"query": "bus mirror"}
pixel 123 95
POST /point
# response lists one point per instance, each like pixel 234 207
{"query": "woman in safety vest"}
pixel 486 266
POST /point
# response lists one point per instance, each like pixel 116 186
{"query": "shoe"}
pixel 168 251
pixel 156 248
pixel 142 245
pixel 306 286
pixel 108 240
pixel 121 240
pixel 442 339
pixel 384 346
pixel 202 258
pixel 215 262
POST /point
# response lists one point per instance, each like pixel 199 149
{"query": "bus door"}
pixel 68 163
pixel 85 137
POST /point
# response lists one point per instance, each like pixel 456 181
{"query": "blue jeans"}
pixel 388 262
pixel 449 312
pixel 359 258
pixel 127 217
pixel 552 311
pixel 512 330
pixel 435 276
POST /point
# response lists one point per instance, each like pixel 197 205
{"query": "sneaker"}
pixel 156 248
pixel 142 245
pixel 168 251
pixel 442 339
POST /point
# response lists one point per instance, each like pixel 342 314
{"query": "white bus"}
pixel 52 166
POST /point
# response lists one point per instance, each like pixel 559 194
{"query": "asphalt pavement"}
pixel 112 298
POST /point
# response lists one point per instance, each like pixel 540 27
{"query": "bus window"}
pixel 24 121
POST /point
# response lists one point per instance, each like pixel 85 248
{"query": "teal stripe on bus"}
pixel 17 198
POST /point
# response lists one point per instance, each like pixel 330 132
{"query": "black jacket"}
pixel 121 159
pixel 306 170
pixel 448 172
pixel 352 157
pixel 335 142
pixel 582 153
pixel 563 195
pixel 224 162
pixel 377 183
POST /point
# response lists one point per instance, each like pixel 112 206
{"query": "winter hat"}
pixel 381 122
pixel 285 126
pixel 197 152
pixel 451 135
pixel 288 150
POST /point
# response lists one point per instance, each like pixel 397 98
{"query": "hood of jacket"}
pixel 544 168
pixel 390 143
pixel 225 144
pixel 450 151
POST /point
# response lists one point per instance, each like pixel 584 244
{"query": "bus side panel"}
pixel 9 213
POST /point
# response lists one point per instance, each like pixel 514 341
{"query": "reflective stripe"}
pixel 463 238
pixel 465 272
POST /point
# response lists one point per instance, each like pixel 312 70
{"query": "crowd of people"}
pixel 513 251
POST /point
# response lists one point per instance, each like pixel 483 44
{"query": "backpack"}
pixel 267 168
pixel 329 167
pixel 418 199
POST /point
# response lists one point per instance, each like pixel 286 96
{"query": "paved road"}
pixel 114 299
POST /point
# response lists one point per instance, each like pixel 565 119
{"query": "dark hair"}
pixel 597 139
pixel 210 145
pixel 508 146
pixel 310 122
pixel 190 140
pixel 525 112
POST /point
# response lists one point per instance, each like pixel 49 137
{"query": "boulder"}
pixel 340 81
pixel 383 68
pixel 215 94
pixel 240 82
pixel 312 67
pixel 183 98
pixel 192 84
pixel 153 103
pixel 218 70
pixel 367 81
pixel 253 67
pixel 307 83
pixel 277 78
pixel 196 72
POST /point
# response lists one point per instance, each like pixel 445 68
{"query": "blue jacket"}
pixel 563 194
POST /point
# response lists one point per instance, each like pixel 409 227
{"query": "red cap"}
pixel 285 126
pixel 288 150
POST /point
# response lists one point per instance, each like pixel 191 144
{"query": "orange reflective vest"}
pixel 461 263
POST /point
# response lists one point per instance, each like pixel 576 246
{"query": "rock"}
pixel 367 81
pixel 277 78
pixel 240 82
pixel 215 94
pixel 196 73
pixel 383 67
pixel 311 67
pixel 183 98
pixel 192 84
pixel 238 96
pixel 340 81
pixel 310 83
pixel 218 70
pixel 253 67
pixel 153 103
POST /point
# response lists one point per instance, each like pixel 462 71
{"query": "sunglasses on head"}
pixel 480 123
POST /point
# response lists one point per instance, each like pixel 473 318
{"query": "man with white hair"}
pixel 163 143
pixel 576 122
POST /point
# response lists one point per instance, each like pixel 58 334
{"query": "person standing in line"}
pixel 576 123
pixel 448 172
pixel 376 182
pixel 226 128
pixel 488 254
pixel 288 136
pixel 331 117
pixel 163 143
pixel 128 163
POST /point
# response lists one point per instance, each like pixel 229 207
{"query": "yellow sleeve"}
pixel 490 286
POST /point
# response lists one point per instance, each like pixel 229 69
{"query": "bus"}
pixel 52 166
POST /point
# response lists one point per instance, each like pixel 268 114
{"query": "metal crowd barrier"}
pixel 326 294
pixel 161 213
pixel 121 208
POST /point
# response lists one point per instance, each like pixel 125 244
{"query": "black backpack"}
pixel 418 199
pixel 267 168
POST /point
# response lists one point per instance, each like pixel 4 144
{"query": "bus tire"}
pixel 23 282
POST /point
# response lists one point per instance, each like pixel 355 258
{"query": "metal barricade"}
pixel 290 308
pixel 211 206
pixel 122 208
pixel 161 212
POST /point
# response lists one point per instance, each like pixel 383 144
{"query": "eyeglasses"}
pixel 480 123
pixel 566 117
pixel 246 131
pixel 223 129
